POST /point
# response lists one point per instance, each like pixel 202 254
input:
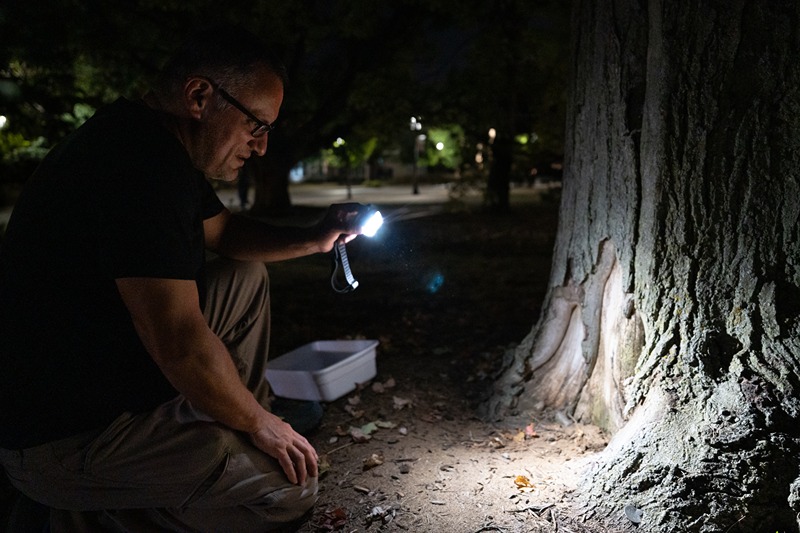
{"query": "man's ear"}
pixel 197 93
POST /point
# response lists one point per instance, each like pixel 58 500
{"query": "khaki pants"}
pixel 173 469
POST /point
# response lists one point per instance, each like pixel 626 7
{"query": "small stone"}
pixel 633 513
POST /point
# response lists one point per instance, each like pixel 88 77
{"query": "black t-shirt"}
pixel 118 198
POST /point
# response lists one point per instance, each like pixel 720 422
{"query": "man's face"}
pixel 224 139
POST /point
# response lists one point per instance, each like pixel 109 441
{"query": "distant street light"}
pixel 3 121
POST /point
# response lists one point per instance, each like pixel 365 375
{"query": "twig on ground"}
pixel 490 527
pixel 534 508
pixel 340 448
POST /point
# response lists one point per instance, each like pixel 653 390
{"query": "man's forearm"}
pixel 201 369
pixel 245 239
pixel 252 240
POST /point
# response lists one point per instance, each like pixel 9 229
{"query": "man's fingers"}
pixel 312 463
pixel 288 468
pixel 309 458
pixel 300 465
pixel 295 455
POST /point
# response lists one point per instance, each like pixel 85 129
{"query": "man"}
pixel 132 391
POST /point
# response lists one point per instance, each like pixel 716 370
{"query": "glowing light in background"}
pixel 3 121
pixel 435 282
pixel 297 173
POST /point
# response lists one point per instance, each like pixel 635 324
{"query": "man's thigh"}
pixel 165 458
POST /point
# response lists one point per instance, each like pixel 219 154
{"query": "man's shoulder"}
pixel 127 118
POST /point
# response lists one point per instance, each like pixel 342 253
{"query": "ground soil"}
pixel 447 289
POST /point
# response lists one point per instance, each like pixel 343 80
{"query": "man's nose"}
pixel 259 144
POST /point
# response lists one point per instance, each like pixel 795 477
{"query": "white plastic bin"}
pixel 322 370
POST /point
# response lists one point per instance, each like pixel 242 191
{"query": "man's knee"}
pixel 253 271
pixel 291 503
pixel 257 482
pixel 232 274
pixel 237 295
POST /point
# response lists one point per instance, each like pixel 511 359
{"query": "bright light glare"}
pixel 373 223
pixel 3 121
pixel 440 146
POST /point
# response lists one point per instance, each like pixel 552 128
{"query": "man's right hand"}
pixel 292 451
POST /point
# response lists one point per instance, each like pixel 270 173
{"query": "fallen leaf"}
pixel 332 519
pixel 369 429
pixel 352 411
pixel 383 424
pixel 519 437
pixel 377 512
pixel 380 388
pixel 432 417
pixel 523 483
pixel 530 432
pixel 324 464
pixel 358 436
pixel 372 461
pixel 400 403
pixel 354 400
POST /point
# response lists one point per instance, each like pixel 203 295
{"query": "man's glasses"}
pixel 261 128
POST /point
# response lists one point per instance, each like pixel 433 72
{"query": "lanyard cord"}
pixel 340 261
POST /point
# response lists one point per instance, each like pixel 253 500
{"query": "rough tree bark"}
pixel 270 177
pixel 673 314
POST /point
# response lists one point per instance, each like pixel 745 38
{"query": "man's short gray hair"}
pixel 228 55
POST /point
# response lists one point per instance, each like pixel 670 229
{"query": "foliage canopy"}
pixel 358 69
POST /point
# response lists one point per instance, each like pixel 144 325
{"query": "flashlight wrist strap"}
pixel 340 261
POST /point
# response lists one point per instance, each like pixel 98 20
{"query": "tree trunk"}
pixel 499 183
pixel 270 176
pixel 673 314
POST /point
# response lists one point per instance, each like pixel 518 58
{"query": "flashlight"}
pixel 372 221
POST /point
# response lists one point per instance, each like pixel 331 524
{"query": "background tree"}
pixel 351 65
pixel 511 78
pixel 358 69
pixel 673 314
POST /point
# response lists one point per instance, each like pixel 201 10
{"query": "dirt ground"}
pixel 446 291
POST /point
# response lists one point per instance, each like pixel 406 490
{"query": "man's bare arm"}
pixel 245 239
pixel 167 317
